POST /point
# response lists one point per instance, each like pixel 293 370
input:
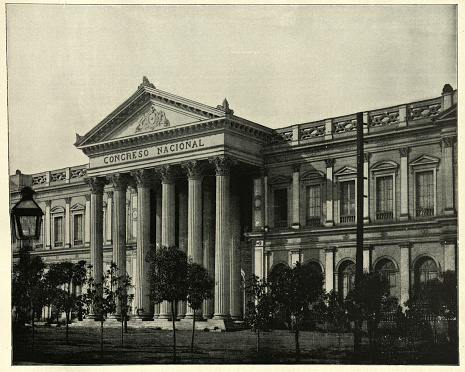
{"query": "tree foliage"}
pixel 370 300
pixel 260 307
pixel 294 290
pixel 168 277
pixel 200 288
pixel 60 277
pixel 28 286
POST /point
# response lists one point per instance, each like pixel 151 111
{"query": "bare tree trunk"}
pixel 193 332
pixel 258 341
pixel 297 344
pixel 33 340
pixel 67 327
pixel 122 329
pixel 101 337
pixel 173 319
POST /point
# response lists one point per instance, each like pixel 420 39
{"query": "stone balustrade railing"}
pixel 384 119
pixel 59 176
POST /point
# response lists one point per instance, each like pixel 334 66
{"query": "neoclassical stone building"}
pixel 241 198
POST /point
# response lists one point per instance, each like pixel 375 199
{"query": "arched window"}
pixel 346 278
pixel 425 269
pixel 388 271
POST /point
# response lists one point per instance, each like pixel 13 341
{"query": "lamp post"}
pixel 26 216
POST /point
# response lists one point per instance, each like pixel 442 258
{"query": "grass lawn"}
pixel 147 346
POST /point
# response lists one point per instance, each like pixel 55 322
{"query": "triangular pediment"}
pixel 279 180
pixel 425 160
pixel 148 110
pixel 346 171
pixel 154 117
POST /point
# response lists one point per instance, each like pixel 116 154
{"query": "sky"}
pixel 69 66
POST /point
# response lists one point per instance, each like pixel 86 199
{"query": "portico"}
pixel 156 144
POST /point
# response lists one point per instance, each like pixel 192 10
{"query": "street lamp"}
pixel 26 216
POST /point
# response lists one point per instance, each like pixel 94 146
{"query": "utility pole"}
pixel 359 252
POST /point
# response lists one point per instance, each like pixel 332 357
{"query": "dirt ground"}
pixel 147 346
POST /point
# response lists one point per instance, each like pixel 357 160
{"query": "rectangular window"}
pixel 384 204
pixel 347 208
pixel 424 194
pixel 58 231
pixel 78 235
pixel 314 205
pixel 280 207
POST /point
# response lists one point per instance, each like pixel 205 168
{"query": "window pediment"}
pixel 77 207
pixel 58 210
pixel 424 160
pixel 312 176
pixel 386 165
pixel 346 173
pixel 280 180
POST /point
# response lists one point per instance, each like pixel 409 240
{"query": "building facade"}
pixel 243 199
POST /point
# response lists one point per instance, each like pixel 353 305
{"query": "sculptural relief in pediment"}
pixel 151 120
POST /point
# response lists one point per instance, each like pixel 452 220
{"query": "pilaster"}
pixel 448 175
pixel 366 187
pixel 67 222
pixel 296 196
pixel 329 269
pixel 404 272
pixel 329 192
pixel 404 191
pixel 48 225
pixel 87 222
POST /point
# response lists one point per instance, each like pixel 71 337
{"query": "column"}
pixel 168 222
pixel 329 269
pixel 329 192
pixel 367 258
pixel 109 229
pixel 222 242
pixel 158 219
pixel 67 222
pixel 87 222
pixel 96 228
pixel 235 266
pixel 182 234
pixel 448 178
pixel 48 225
pixel 142 284
pixel 366 187
pixel 194 220
pixel 404 272
pixel 296 196
pixel 208 229
pixel 119 182
pixel 404 215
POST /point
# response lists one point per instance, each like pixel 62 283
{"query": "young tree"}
pixel 294 290
pixel 168 279
pixel 28 290
pixel 200 288
pixel 374 302
pixel 260 307
pixel 99 299
pixel 334 312
pixel 121 285
pixel 63 275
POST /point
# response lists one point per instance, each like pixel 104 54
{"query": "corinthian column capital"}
pixel 194 169
pixel 222 165
pixel 143 177
pixel 119 181
pixel 166 173
pixel 96 184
